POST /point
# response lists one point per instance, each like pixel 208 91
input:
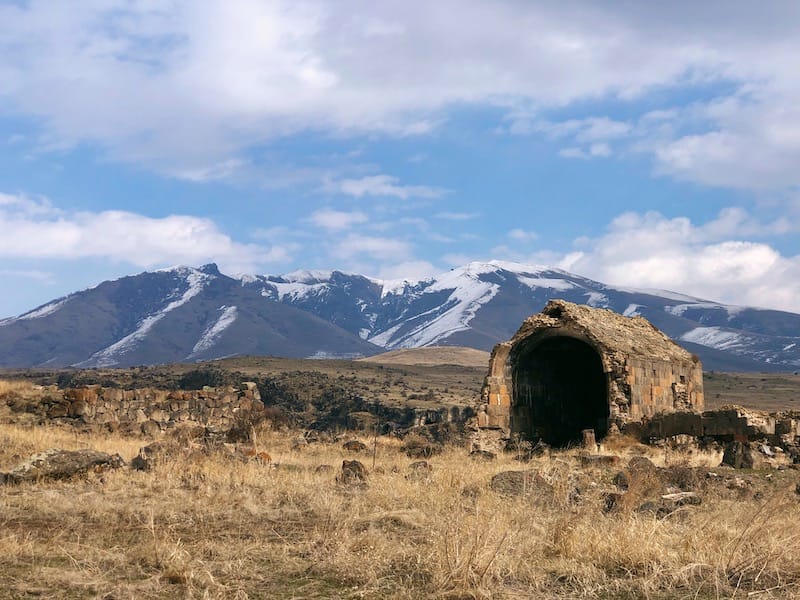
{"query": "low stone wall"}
pixel 734 423
pixel 148 410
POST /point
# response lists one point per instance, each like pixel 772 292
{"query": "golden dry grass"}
pixel 208 526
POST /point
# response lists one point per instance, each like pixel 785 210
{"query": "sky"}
pixel 641 144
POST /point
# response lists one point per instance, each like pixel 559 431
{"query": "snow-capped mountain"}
pixel 173 315
pixel 187 314
pixel 482 303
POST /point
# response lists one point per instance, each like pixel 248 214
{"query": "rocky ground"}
pixel 289 514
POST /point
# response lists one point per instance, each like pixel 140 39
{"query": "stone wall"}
pixel 148 410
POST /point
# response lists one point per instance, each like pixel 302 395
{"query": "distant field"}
pixel 763 391
pixel 422 377
pixel 434 355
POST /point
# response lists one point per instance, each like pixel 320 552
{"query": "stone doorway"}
pixel 561 385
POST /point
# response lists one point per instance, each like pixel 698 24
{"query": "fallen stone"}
pixel 682 499
pixel 596 460
pixel 353 473
pixel 354 446
pixel 521 483
pixel 62 464
pixel 152 455
pixel 483 454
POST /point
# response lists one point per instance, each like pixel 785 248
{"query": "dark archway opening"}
pixel 560 389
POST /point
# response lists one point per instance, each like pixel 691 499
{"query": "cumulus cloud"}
pixel 708 260
pixel 34 229
pixel 413 270
pixel 188 87
pixel 380 248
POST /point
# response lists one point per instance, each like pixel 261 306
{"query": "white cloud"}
pixel 33 229
pixel 377 248
pixel 188 87
pixel 382 186
pixel 34 274
pixel 336 220
pixel 595 150
pixel 521 235
pixel 652 251
pixel 413 270
pixel 457 216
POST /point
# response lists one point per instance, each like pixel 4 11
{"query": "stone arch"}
pixel 559 388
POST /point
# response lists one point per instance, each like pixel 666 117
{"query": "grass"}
pixel 203 525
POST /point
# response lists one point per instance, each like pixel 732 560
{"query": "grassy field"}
pixel 205 524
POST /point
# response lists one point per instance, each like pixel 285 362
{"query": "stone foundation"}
pixel 145 409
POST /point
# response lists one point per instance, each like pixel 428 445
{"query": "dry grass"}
pixel 207 526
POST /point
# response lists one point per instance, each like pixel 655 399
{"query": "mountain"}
pixel 175 315
pixel 187 314
pixel 482 303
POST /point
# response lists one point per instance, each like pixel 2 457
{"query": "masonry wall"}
pixel 662 387
pixel 146 409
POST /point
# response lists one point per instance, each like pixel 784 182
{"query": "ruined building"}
pixel 574 367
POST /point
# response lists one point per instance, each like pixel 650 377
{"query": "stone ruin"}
pixel 144 410
pixel 572 368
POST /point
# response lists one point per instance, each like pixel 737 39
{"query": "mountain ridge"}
pixel 185 314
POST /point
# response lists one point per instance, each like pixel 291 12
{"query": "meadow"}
pixel 206 524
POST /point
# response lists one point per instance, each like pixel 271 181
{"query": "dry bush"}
pixel 206 525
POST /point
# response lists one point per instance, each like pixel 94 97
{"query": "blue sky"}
pixel 640 144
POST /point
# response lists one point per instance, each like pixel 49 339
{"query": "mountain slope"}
pixel 479 304
pixel 187 314
pixel 175 315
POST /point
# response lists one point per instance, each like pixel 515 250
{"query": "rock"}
pixel 354 446
pixel 420 470
pixel 299 443
pixel 654 508
pixel 63 464
pixel 621 480
pixel 739 455
pixel 611 500
pixel 154 454
pixel 483 454
pixel 353 472
pixel 641 464
pixel 599 460
pixel 682 499
pixel 151 429
pixel 797 489
pixel 520 483
pixel 323 469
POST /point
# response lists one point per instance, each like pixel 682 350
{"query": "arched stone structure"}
pixel 572 367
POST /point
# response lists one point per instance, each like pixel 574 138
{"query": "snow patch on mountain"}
pixel 42 311
pixel 713 337
pixel 596 299
pixel 468 294
pixel 109 356
pixel 542 282
pixel 212 333
pixel 297 290
pixel 632 310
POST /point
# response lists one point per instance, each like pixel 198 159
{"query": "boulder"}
pixel 63 464
pixel 354 446
pixel 353 473
pixel 153 454
pixel 520 483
